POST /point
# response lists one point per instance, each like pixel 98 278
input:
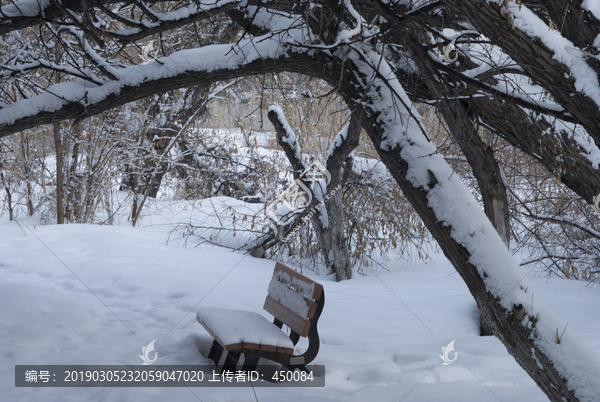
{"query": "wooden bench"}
pixel 293 300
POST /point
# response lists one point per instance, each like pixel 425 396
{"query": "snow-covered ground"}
pixel 89 294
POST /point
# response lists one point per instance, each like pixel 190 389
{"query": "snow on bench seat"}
pixel 235 329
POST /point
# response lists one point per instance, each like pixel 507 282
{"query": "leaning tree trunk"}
pixel 487 172
pixel 485 167
pixel 463 232
pixel 461 122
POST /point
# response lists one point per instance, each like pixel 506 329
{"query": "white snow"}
pixel 235 326
pixel 592 6
pixel 291 298
pixel 380 335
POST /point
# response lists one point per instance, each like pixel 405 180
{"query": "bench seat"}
pixel 237 329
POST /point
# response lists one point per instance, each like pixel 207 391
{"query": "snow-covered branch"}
pixel 79 99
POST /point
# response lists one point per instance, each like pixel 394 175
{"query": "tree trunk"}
pixel 470 244
pixel 60 180
pixel 75 188
pixel 328 218
pixel 461 120
pixel 334 204
pixel 24 142
pixel 6 187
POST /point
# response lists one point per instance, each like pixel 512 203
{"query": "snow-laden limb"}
pixel 338 140
pixel 24 8
pixel 512 114
pixel 565 52
pixel 575 132
pixel 507 297
pixel 509 91
pixel 288 136
pixel 80 99
pixel 547 57
pixel 172 19
pixel 26 13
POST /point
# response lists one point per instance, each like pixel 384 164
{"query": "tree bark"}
pixel 75 109
pixel 60 179
pixel 534 57
pixel 6 187
pixel 361 75
pixel 336 230
pixel 24 142
pixel 461 119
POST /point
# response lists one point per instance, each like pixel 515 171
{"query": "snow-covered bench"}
pixel 294 300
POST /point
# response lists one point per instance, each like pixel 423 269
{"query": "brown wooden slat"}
pixel 233 346
pixel 247 345
pixel 268 348
pixel 251 346
pixel 318 287
pixel 318 291
pixel 288 351
pixel 289 318
pixel 312 308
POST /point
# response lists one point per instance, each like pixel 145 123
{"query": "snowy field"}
pixel 88 294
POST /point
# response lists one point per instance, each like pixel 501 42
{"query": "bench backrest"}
pixel 292 298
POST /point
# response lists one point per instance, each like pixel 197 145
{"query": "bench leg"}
pixel 250 362
pixel 295 337
pixel 231 361
pixel 215 353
